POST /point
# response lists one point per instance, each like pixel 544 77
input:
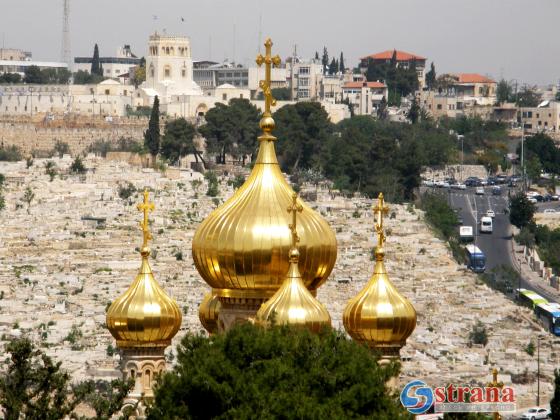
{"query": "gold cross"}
pixel 379 211
pixel 496 384
pixel 294 208
pixel 145 207
pixel 269 62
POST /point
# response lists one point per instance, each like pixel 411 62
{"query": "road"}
pixel 497 245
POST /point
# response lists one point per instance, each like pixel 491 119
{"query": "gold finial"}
pixel 145 207
pixel 496 384
pixel 294 208
pixel 379 211
pixel 269 61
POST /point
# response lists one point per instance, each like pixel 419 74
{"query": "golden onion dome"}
pixel 379 315
pixel 144 316
pixel 243 245
pixel 208 312
pixel 292 303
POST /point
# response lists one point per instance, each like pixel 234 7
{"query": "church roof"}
pixel 226 86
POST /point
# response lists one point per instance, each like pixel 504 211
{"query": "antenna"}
pixel 260 31
pixel 233 58
pixel 65 53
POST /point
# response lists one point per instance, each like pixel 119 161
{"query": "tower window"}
pixel 167 71
pixel 184 72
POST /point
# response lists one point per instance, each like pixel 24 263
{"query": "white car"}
pixel 490 213
pixel 479 191
pixel 549 211
pixel 536 413
pixel 460 186
pixel 532 200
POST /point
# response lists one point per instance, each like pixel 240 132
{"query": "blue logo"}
pixel 417 397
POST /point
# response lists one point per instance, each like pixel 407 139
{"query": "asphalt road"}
pixel 497 245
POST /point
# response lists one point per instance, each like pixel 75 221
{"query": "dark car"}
pixel 492 180
pixel 496 190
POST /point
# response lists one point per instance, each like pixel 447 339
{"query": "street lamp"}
pixel 538 370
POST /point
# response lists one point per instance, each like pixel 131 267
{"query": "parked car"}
pixel 532 200
pixel 479 191
pixel 496 190
pixel 536 413
pixel 491 180
pixel 549 211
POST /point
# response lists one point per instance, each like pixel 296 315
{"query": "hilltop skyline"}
pixel 459 37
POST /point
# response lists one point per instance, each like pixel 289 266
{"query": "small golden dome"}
pixel 144 316
pixel 208 312
pixel 379 315
pixel 292 303
pixel 242 247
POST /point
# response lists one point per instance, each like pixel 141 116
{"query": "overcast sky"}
pixel 516 39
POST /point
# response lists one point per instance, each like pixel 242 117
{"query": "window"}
pixel 107 92
pixel 538 116
pixel 184 72
pixel 224 96
pixel 241 96
pixel 152 71
pixel 167 72
pixel 304 70
pixel 439 106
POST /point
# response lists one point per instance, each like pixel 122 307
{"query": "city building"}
pixel 364 96
pixel 545 117
pixel 115 66
pixel 209 75
pixel 403 59
pixel 19 66
pixel 13 54
pixel 304 79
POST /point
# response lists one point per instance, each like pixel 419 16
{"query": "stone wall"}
pixel 30 137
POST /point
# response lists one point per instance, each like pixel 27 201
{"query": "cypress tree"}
pixel 431 77
pixel 152 134
pixel 341 66
pixel 96 68
pixel 317 55
pixel 332 67
pixel 555 402
pixel 325 60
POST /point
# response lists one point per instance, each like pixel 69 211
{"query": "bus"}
pixel 549 315
pixel 476 260
pixel 530 298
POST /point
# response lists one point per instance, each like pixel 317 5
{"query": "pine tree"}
pixel 431 77
pixel 317 55
pixel 96 68
pixel 394 59
pixel 341 66
pixel 382 109
pixel 337 66
pixel 325 60
pixel 414 112
pixel 152 135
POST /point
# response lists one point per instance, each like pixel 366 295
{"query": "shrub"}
pixel 10 154
pixel 479 335
pixel 126 191
pixel 77 166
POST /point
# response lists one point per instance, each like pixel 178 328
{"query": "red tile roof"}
pixel 473 78
pixel 401 56
pixel 356 85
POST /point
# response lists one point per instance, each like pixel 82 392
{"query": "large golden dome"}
pixel 242 247
pixel 144 316
pixel 379 315
pixel 292 303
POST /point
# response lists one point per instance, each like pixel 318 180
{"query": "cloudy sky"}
pixel 514 39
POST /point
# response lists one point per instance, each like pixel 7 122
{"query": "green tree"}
pixel 534 169
pixel 212 179
pixel 33 74
pixel 555 402
pixel 528 96
pixel 178 139
pixel 2 202
pixel 152 136
pixel 77 166
pixel 34 387
pixel 50 169
pixel 10 78
pixel 530 349
pixel 431 77
pixel 504 92
pixel 414 112
pixel 232 129
pixel 251 372
pixel 139 73
pixel 341 64
pixel 521 210
pixel 61 148
pixel 479 334
pixel 332 67
pixel 96 67
pixel 382 111
pixel 302 131
pixel 28 197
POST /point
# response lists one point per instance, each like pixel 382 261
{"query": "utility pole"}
pixel 538 370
